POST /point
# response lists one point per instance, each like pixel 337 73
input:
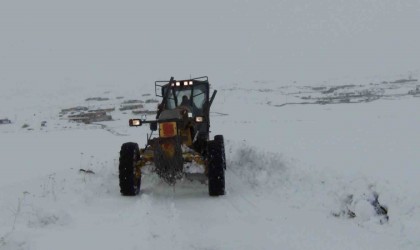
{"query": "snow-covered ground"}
pixel 294 173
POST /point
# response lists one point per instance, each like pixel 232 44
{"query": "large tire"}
pixel 129 155
pixel 216 168
pixel 219 139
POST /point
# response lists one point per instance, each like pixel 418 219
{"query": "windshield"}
pixel 193 97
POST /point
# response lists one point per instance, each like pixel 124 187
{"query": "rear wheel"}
pixel 129 180
pixel 217 165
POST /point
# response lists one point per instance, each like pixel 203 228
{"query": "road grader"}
pixel 182 148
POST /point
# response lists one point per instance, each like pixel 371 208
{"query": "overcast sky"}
pixel 98 41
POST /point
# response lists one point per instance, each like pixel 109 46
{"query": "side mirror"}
pixel 135 122
pixel 153 126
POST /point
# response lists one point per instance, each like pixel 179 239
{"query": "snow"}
pixel 299 176
pixel 291 171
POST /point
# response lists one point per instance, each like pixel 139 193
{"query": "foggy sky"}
pixel 117 42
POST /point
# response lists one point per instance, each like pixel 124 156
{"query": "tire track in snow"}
pixel 236 195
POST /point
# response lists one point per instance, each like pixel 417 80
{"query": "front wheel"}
pixel 130 180
pixel 216 167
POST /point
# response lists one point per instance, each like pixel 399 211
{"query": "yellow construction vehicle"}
pixel 183 147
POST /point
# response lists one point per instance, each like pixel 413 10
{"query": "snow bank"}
pixel 260 169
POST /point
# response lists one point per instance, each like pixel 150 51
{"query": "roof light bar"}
pixel 182 83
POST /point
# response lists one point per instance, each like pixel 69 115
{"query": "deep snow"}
pixel 290 172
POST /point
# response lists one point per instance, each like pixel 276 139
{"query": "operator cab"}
pixel 192 94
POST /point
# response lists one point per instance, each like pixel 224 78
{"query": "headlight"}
pixel 134 122
pixel 199 119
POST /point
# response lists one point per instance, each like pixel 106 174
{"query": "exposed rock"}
pixel 98 116
pixel 102 110
pixel 88 171
pixel 131 107
pixel 404 80
pixel 99 99
pixel 5 121
pixel 152 101
pixel 74 109
pixel 132 101
pixel 144 112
